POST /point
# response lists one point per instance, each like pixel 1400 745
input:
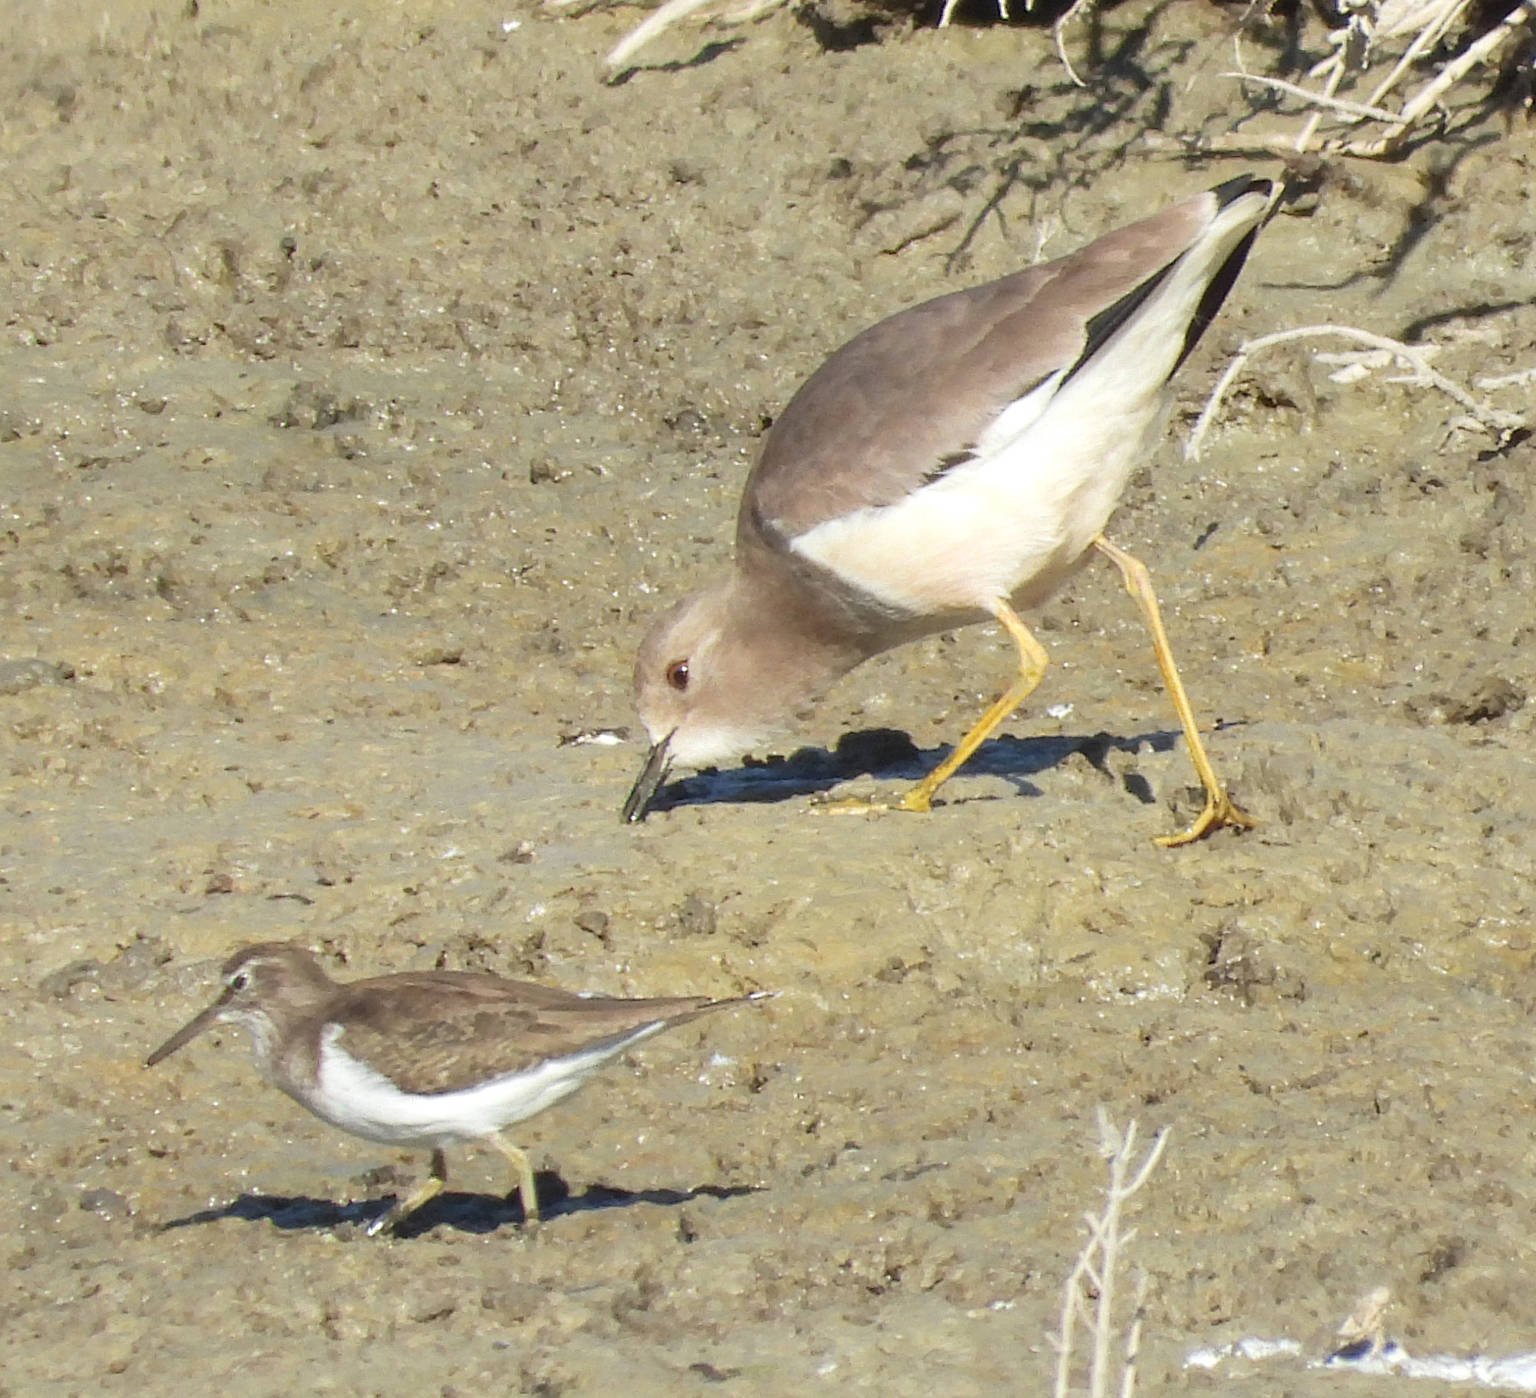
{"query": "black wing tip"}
pixel 1215 293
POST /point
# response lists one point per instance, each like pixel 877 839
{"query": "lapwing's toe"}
pixel 1219 810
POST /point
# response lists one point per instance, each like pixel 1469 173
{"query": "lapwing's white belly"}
pixel 354 1097
pixel 1014 521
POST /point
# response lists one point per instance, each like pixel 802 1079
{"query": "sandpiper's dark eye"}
pixel 677 675
pixel 239 981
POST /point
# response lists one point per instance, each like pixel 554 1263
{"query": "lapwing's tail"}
pixel 1238 194
pixel 1177 302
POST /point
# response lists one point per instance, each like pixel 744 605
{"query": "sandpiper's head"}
pixel 717 676
pixel 264 985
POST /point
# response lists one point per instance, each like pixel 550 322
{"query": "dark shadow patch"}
pixel 290 1212
pixel 1517 437
pixel 1420 328
pixel 839 33
pixel 984 14
pixel 467 1213
pixel 948 463
pixel 891 755
pixel 708 54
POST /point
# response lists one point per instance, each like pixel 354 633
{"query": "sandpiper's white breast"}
pixel 356 1098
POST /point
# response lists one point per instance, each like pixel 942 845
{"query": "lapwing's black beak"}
pixel 657 764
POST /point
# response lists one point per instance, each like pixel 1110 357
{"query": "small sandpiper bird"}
pixel 955 463
pixel 427 1059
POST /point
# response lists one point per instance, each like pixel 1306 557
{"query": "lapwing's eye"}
pixel 239 981
pixel 677 676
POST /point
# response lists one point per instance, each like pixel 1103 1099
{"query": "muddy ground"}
pixel 370 380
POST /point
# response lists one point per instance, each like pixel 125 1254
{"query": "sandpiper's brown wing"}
pixel 440 1031
pixel 909 397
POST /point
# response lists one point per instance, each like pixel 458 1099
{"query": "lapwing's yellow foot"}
pixel 1219 810
pixel 919 800
pixel 915 800
pixel 850 805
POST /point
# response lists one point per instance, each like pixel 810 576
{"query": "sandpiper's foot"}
pixel 424 1193
pixel 390 1220
pixel 532 1218
pixel 520 1181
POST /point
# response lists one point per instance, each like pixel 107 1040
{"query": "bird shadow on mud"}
pixel 467 1213
pixel 891 755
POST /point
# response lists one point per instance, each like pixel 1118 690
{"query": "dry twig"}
pixel 1415 357
pixel 1382 34
pixel 1089 1295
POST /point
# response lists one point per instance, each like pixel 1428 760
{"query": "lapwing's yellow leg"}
pixel 1219 809
pixel 424 1193
pixel 1032 664
pixel 519 1178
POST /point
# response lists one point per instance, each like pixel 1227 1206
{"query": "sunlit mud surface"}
pixel 371 379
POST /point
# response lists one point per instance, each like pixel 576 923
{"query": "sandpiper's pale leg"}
pixel 1219 808
pixel 519 1178
pixel 424 1193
